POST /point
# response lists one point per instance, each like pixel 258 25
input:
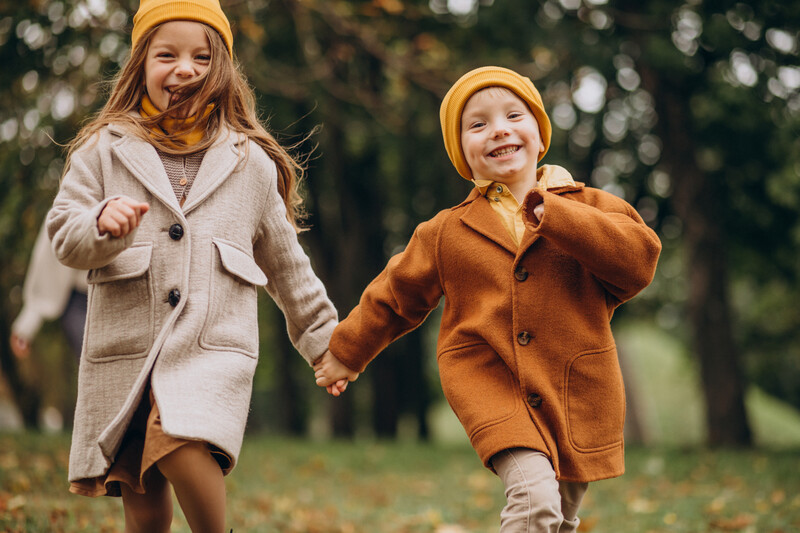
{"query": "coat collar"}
pixel 141 159
pixel 480 216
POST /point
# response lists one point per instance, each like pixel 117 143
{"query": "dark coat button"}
pixel 521 273
pixel 524 338
pixel 176 232
pixel 534 400
pixel 174 297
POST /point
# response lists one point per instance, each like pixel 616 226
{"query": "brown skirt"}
pixel 143 445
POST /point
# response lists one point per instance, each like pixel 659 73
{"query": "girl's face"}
pixel 500 137
pixel 179 51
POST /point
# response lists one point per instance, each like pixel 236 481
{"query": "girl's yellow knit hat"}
pixel 472 82
pixel 151 13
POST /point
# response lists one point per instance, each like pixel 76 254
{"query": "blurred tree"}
pixel 687 110
pixel 723 83
pixel 53 54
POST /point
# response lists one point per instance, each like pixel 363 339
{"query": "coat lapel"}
pixel 219 162
pixel 142 161
pixel 481 218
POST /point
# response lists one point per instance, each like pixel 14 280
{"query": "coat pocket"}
pixel 232 318
pixel 595 400
pixel 120 322
pixel 478 386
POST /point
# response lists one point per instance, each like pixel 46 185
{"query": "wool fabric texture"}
pixel 525 351
pixel 197 349
pixel 472 82
pixel 151 13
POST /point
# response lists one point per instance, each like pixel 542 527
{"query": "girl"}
pixel 181 205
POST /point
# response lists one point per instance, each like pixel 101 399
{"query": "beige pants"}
pixel 535 501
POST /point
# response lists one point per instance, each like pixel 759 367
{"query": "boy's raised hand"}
pixel 332 374
pixel 121 216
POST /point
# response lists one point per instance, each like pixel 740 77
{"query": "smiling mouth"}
pixel 505 150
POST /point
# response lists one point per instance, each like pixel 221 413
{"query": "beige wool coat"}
pixel 174 303
pixel 525 351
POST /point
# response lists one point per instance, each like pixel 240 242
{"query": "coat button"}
pixel 176 232
pixel 174 297
pixel 524 338
pixel 521 273
pixel 534 400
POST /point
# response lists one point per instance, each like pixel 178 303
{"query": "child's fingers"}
pixel 140 209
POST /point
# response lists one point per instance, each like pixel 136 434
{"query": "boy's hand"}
pixel 121 216
pixel 538 212
pixel 332 374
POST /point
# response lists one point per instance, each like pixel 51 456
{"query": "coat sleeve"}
pixel 394 303
pixel 72 221
pixel 610 239
pixel 291 282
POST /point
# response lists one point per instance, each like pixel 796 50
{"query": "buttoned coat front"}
pixel 525 351
pixel 174 303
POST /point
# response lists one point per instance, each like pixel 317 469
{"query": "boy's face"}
pixel 500 137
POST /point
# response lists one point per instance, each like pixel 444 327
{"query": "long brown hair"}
pixel 224 86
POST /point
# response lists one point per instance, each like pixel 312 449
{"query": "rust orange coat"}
pixel 525 351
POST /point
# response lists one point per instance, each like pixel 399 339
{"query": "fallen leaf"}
pixel 733 524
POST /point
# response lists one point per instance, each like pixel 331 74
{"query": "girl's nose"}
pixel 184 68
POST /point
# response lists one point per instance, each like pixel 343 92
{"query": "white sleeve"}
pixel 45 293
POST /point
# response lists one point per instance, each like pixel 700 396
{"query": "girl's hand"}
pixel 121 216
pixel 332 374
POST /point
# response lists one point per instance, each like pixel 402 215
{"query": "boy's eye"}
pixel 514 114
pixel 476 124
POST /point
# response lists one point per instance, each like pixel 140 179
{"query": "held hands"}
pixel 332 374
pixel 121 216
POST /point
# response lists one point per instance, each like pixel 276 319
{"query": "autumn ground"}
pixel 294 486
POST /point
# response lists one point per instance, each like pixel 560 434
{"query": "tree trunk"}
pixel 709 313
pixel 292 414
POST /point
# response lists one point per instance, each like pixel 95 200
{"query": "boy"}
pixel 526 356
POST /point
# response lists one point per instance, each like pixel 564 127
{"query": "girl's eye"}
pixel 514 114
pixel 164 55
pixel 203 57
pixel 475 125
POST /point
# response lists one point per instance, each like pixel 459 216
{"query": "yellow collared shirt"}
pixel 506 205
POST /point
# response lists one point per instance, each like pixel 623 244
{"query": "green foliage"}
pixel 372 73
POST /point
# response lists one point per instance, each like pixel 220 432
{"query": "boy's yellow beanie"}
pixel 151 13
pixel 472 82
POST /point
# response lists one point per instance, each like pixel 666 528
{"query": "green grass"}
pixel 663 379
pixel 301 486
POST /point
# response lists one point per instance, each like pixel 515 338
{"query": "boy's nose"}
pixel 501 131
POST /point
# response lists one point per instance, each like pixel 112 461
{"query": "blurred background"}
pixel 688 110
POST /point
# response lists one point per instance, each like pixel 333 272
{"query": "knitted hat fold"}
pixel 151 13
pixel 472 82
